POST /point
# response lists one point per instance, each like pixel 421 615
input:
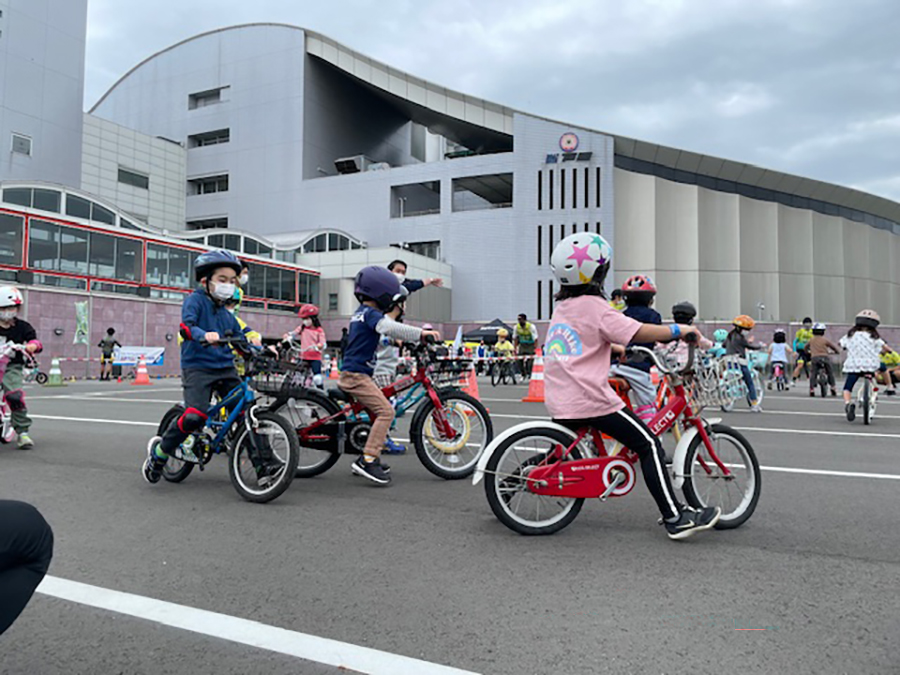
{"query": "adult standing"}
pixel 26 547
pixel 107 346
pixel 399 268
pixel 525 337
pixel 343 347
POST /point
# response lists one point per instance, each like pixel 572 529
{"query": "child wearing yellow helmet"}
pixel 737 344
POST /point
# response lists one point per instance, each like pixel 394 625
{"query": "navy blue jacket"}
pixel 201 315
pixel 644 315
pixel 413 285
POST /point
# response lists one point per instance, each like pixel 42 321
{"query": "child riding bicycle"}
pixel 818 349
pixel 311 336
pixel 387 360
pixel 204 369
pixel 584 333
pixel 737 344
pixel 864 346
pixel 378 291
pixel 14 329
pixel 639 292
pixel 780 354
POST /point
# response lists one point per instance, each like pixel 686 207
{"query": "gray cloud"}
pixel 806 86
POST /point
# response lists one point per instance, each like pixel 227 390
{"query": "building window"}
pixel 550 186
pixel 114 257
pixel 332 302
pixel 430 249
pixel 208 185
pixel 587 182
pixel 562 188
pixel 540 190
pixel 319 244
pixel 21 144
pixel 597 187
pixel 209 138
pixel 35 198
pixel 540 247
pixel 208 224
pixel 540 291
pixel 204 98
pixel 416 199
pixel 474 193
pixel 133 178
pixel 11 233
pixel 168 266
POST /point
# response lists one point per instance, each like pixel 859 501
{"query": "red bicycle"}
pixel 449 428
pixel 538 474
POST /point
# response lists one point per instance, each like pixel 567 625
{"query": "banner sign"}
pixel 128 356
pixel 82 327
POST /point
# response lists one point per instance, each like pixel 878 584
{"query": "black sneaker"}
pixel 850 409
pixel 269 473
pixel 154 464
pixel 373 471
pixel 693 521
pixel 891 392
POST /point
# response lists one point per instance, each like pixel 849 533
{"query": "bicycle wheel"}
pixel 513 374
pixel 496 374
pixel 506 485
pixel 757 384
pixel 175 470
pixel 41 378
pixel 866 400
pixel 705 485
pixel 301 411
pixel 262 473
pixel 456 457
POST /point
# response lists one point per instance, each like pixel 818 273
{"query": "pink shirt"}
pixel 310 337
pixel 577 356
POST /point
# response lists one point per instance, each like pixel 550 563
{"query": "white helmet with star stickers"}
pixel 580 259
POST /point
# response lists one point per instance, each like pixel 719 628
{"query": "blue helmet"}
pixel 207 262
pixel 378 284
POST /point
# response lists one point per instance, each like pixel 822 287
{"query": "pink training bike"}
pixel 538 474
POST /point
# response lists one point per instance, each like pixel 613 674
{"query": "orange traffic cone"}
pixel 334 374
pixel 142 377
pixel 536 385
pixel 471 385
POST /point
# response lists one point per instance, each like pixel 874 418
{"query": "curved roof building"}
pixel 290 132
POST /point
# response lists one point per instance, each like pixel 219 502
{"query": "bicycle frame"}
pixel 241 398
pixel 611 473
pixel 318 431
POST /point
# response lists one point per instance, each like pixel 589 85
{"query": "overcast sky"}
pixel 810 87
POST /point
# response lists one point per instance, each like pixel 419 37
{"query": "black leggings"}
pixel 26 547
pixel 627 428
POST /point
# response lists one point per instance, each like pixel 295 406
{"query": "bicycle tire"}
pixel 497 487
pixel 310 462
pixel 41 378
pixel 823 383
pixel 749 501
pixel 866 399
pixel 175 470
pixel 263 494
pixel 420 437
pixel 496 375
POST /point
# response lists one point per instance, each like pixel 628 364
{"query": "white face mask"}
pixel 307 322
pixel 400 277
pixel 245 279
pixel 232 309
pixel 7 314
pixel 223 292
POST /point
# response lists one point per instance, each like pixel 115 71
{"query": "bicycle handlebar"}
pixel 690 340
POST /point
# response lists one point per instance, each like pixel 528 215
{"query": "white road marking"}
pixel 67 397
pixel 93 420
pixel 816 433
pixel 243 631
pixel 824 472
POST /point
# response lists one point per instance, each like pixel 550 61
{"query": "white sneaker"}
pixel 756 407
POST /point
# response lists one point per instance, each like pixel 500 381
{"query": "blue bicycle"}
pixel 262 447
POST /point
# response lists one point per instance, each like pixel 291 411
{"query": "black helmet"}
pixel 780 336
pixel 684 312
pixel 207 262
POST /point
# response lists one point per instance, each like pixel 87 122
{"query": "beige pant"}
pixel 363 389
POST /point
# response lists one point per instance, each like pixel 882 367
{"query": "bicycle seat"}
pixel 338 394
pixel 620 385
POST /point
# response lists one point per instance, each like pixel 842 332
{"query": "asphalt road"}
pixel 423 569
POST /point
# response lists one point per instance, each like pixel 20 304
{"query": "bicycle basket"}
pixel 449 372
pixel 707 383
pixel 272 376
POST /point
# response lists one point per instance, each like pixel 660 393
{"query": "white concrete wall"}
pixel 42 87
pixel 109 146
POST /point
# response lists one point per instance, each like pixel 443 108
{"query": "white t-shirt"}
pixel 779 352
pixel 863 352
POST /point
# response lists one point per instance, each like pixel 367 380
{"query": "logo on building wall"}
pixel 568 142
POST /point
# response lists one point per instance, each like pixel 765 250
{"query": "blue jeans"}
pixel 748 380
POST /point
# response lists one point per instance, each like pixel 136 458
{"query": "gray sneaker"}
pixel 25 442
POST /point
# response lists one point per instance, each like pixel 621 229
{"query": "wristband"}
pixel 675 331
